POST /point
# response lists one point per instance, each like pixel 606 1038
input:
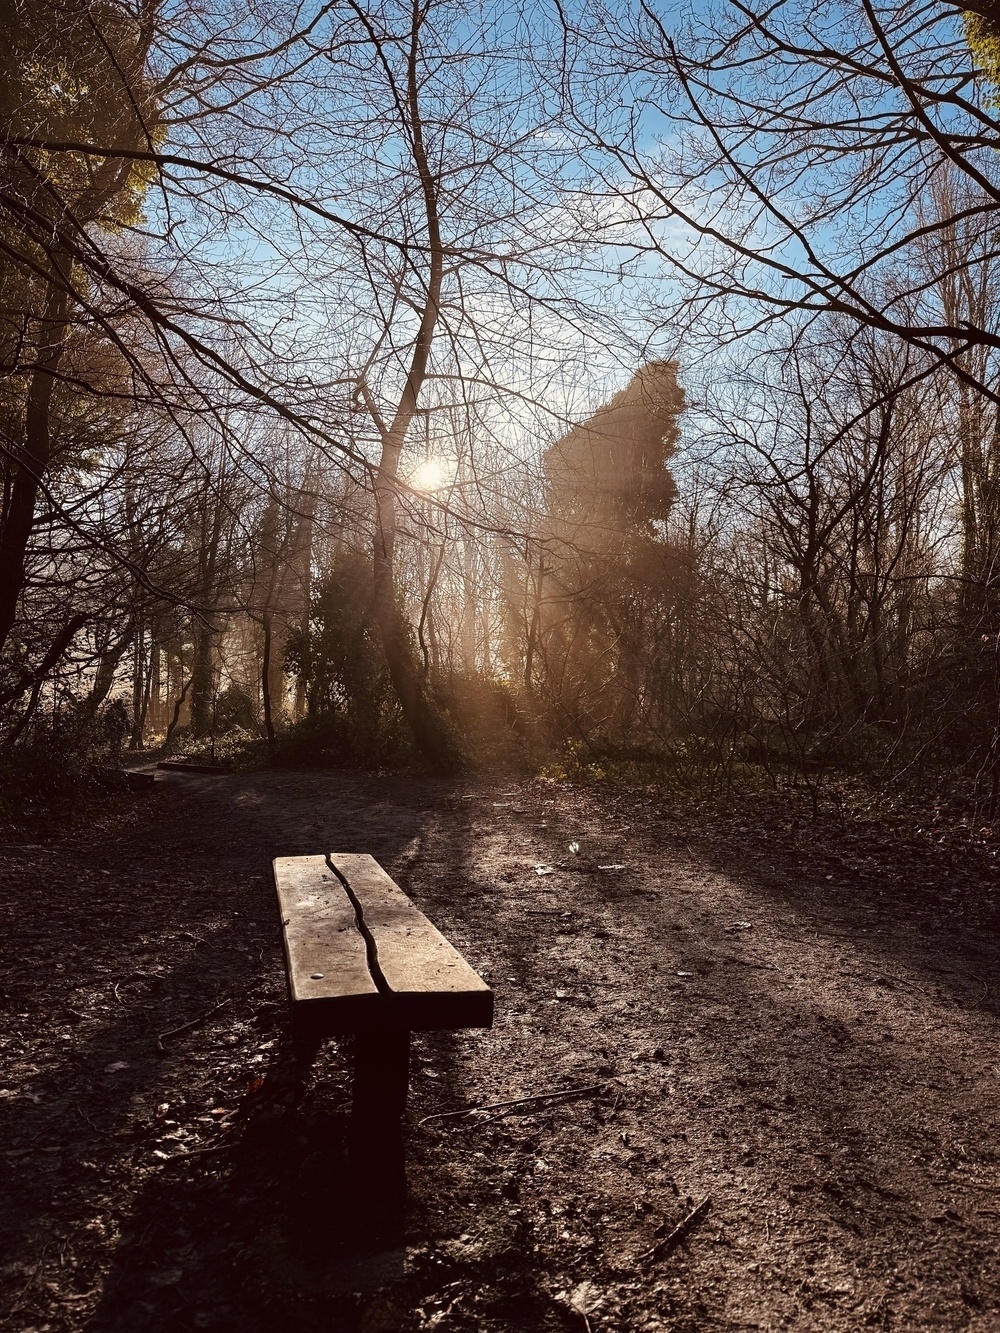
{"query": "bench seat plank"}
pixel 390 970
pixel 431 984
pixel 330 985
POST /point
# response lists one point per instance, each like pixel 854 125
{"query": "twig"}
pixel 197 1152
pixel 134 976
pixel 107 1133
pixel 901 981
pixel 749 962
pixel 679 1232
pixel 186 1027
pixel 519 1101
pixel 19 1299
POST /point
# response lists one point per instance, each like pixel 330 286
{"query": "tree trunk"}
pixel 139 722
pixel 140 687
pixel 430 732
pixel 104 677
pixel 30 466
pixel 202 681
pixel 36 679
pixel 265 683
pixel 302 560
pixel 155 707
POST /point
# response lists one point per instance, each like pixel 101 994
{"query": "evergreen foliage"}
pixel 354 715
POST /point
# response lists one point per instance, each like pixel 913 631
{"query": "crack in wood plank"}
pixel 371 945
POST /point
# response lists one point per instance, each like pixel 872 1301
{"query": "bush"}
pixel 59 762
pixel 487 714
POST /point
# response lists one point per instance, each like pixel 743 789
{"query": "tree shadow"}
pixel 940 929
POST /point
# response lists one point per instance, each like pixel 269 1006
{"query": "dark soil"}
pixel 791 1023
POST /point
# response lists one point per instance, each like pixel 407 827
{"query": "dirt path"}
pixel 799 1028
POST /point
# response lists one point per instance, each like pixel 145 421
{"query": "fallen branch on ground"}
pixel 519 1101
pixel 682 1228
pixel 186 1027
pixel 197 1152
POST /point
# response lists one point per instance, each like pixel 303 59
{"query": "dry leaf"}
pixel 586 1299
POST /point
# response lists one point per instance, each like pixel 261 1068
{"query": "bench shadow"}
pixel 282 1231
pixel 276 1228
pixel 277 1231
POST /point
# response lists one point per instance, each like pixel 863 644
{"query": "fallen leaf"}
pixel 545 870
pixel 115 1066
pixel 586 1298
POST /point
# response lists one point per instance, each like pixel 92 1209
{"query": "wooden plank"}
pixel 329 982
pixel 183 766
pixel 429 983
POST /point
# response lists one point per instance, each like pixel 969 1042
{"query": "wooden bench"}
pixel 190 766
pixel 362 959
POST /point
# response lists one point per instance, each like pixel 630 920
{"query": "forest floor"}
pixel 786 1028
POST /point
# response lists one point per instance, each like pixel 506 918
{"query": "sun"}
pixel 431 475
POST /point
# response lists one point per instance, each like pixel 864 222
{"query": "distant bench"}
pixel 190 766
pixel 362 959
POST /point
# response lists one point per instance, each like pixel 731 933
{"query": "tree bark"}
pixel 202 680
pixel 104 677
pixel 265 682
pixel 430 732
pixel 33 461
pixel 36 679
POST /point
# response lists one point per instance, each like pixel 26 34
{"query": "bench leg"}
pixel 381 1078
